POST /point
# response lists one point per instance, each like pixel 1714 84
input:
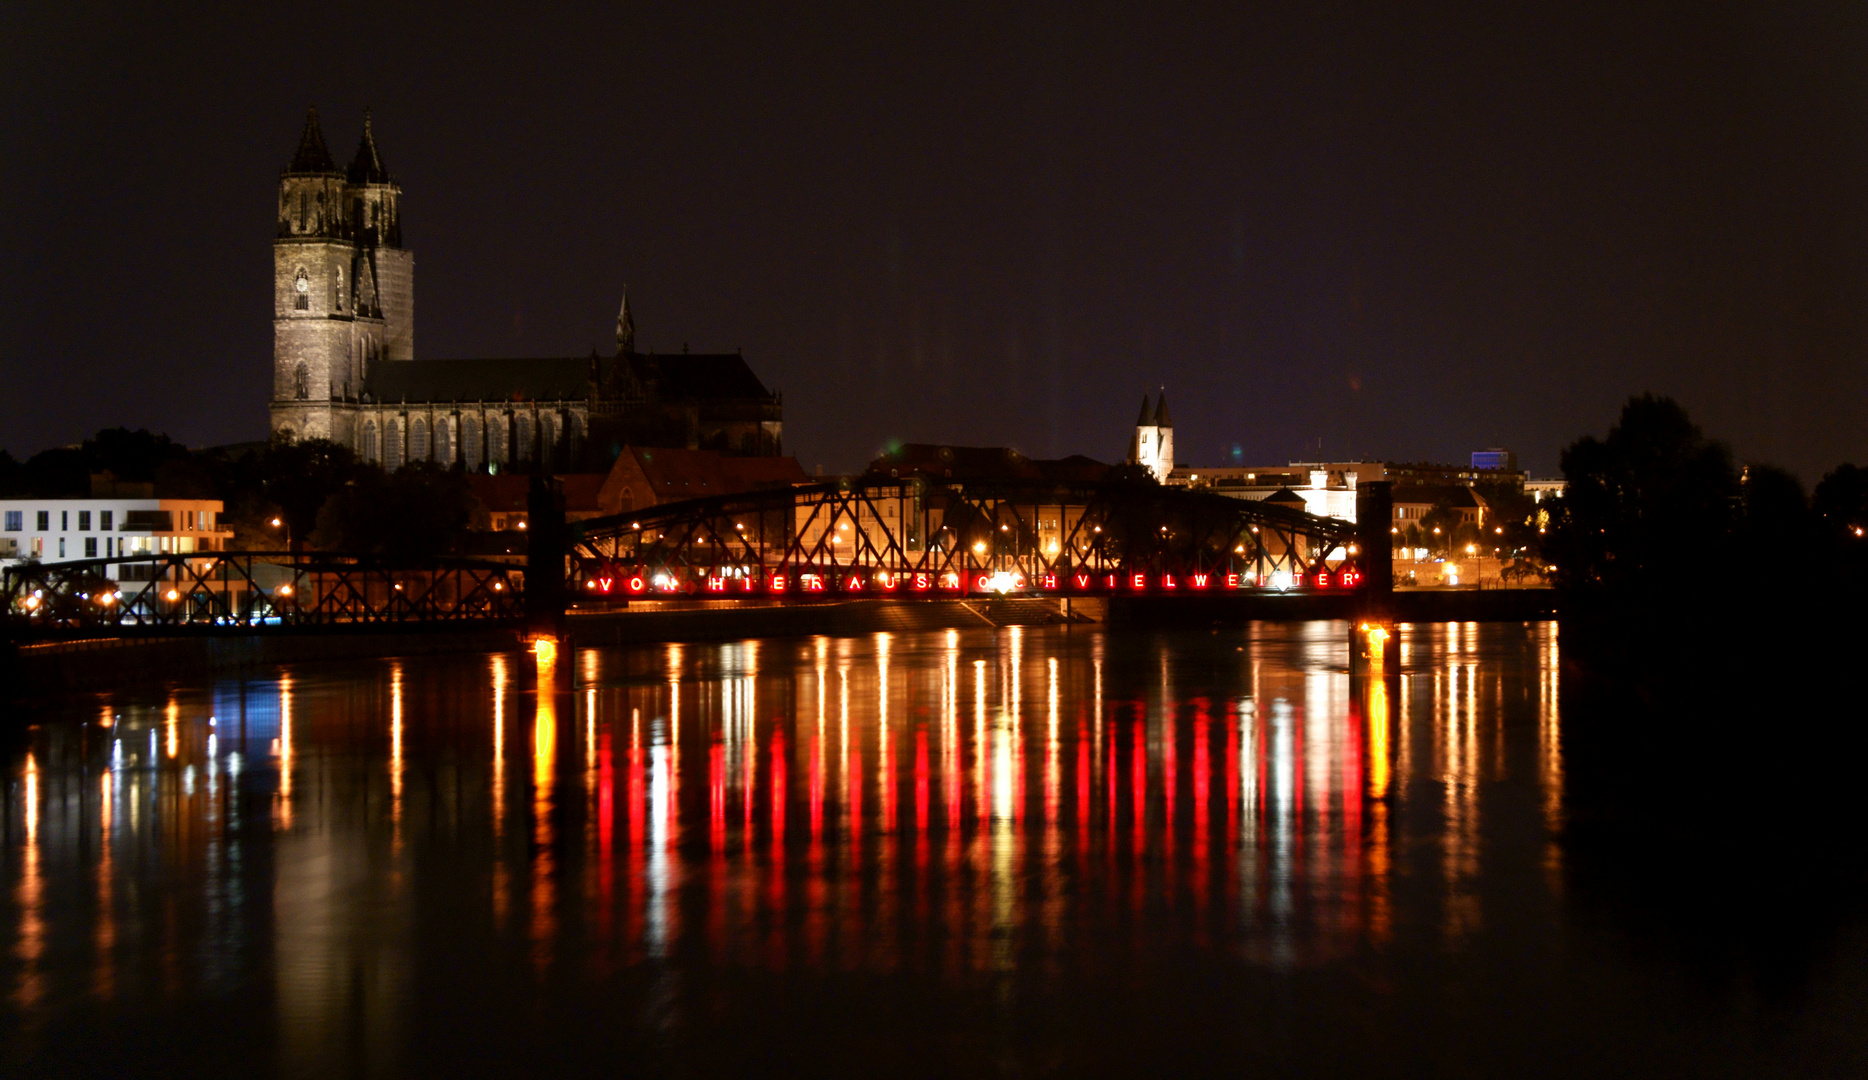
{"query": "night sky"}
pixel 1407 236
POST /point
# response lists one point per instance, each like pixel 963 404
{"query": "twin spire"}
pixel 314 156
pixel 1156 417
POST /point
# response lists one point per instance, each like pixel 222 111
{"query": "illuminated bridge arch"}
pixel 914 536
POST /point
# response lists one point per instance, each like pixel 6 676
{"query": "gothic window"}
pixel 418 439
pixel 301 382
pixel 444 450
pixel 301 284
pixel 498 439
pixel 392 445
pixel 337 292
pixel 470 442
pixel 522 438
pixel 367 445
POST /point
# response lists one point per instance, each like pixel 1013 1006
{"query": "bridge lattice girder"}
pixel 159 593
pixel 915 526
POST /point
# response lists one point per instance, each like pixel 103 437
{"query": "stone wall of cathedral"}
pixel 503 434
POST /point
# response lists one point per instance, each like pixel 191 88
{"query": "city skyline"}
pixel 1406 240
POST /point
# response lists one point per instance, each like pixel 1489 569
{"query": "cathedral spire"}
pixel 625 328
pixel 367 166
pixel 313 156
pixel 1147 416
pixel 1161 414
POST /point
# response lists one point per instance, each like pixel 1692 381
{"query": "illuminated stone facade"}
pixel 344 365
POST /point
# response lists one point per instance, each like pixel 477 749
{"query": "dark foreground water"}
pixel 961 853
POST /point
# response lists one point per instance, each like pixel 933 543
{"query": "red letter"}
pixel 636 585
pixel 778 583
pixel 1232 581
pixel 1139 581
pixel 923 582
pixel 1083 581
pixel 1167 581
pixel 1049 581
pixel 716 584
pixel 1199 581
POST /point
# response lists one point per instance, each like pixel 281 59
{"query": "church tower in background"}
pixel 343 285
pixel 1152 446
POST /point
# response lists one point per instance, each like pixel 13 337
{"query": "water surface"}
pixel 1028 852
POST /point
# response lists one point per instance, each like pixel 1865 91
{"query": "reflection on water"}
pixel 956 806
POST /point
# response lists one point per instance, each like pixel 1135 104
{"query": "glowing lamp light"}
pixel 1281 580
pixel 398 586
pixel 107 599
pixel 522 525
pixel 979 547
pixel 275 523
pixel 285 590
pixel 546 649
pixel 1002 583
pixel 32 602
pixel 172 595
pixel 1240 550
pixel 590 584
pixel 498 586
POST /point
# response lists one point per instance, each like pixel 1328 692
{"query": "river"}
pixel 1018 851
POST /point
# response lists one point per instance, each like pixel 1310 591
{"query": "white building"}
pixel 63 530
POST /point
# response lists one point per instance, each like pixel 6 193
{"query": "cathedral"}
pixel 344 365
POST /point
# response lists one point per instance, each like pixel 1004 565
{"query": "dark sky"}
pixel 1406 235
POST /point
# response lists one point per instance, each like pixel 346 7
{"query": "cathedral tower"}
pixel 343 287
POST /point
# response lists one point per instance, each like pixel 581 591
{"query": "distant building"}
pixel 935 461
pixel 344 365
pixel 63 530
pixel 1152 446
pixel 640 478
pixel 1495 459
pixel 1539 490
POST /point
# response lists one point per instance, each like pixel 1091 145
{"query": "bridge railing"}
pixel 228 590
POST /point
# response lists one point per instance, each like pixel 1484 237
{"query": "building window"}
pixel 15 520
pixel 61 547
pixel 90 547
pixel 38 547
pixel 45 520
pixel 418 439
pixel 444 450
pixel 104 519
pixel 64 521
pixel 301 382
pixel 84 521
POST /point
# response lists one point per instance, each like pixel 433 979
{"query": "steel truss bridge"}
pixel 920 537
pixel 245 591
pixel 872 538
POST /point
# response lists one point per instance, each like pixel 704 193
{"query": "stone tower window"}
pixel 301 283
pixel 301 382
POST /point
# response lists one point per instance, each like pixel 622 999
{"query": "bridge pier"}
pixel 1373 624
pixel 547 545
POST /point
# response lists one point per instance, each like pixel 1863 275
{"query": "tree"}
pixel 420 512
pixel 1649 510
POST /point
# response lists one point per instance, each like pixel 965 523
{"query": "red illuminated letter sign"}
pixel 637 585
pixel 778 583
pixel 1232 581
pixel 716 584
pixel 923 583
pixel 1082 581
pixel 1199 581
pixel 813 583
pixel 853 583
pixel 1138 581
pixel 1167 581
pixel 1049 581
